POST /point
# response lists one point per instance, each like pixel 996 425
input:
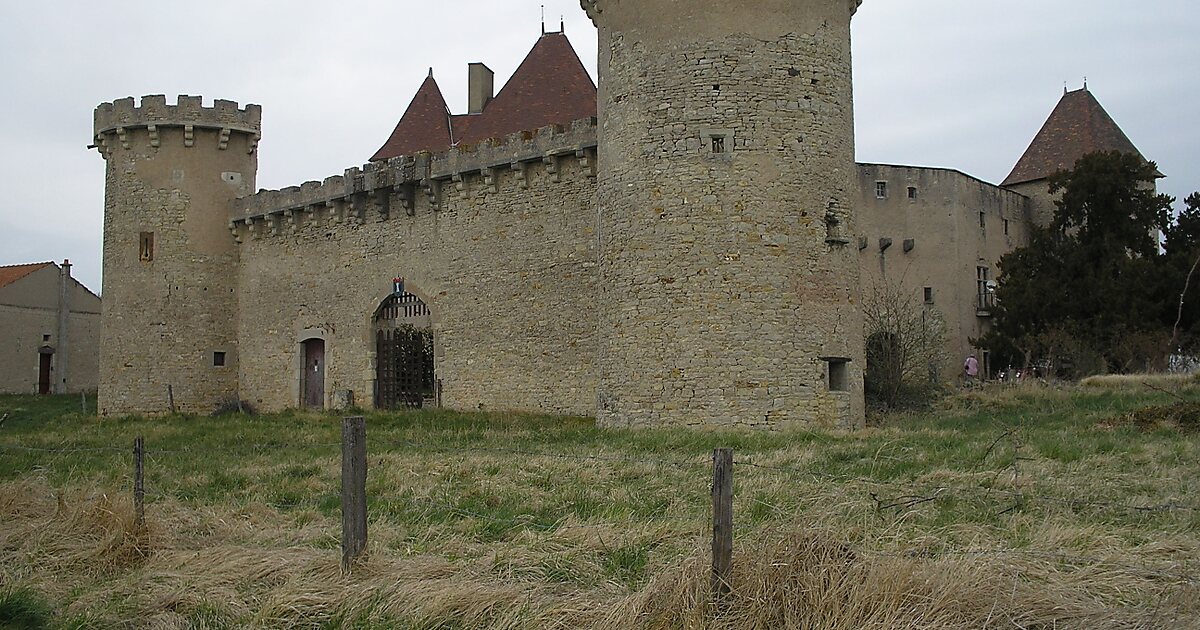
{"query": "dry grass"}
pixel 1170 382
pixel 964 519
pixel 784 578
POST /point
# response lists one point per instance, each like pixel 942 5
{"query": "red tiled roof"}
pixel 550 87
pixel 1077 126
pixel 425 125
pixel 12 273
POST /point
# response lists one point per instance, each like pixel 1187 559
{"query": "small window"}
pixel 718 144
pixel 45 337
pixel 881 190
pixel 839 375
pixel 912 192
pixel 982 220
pixel 716 87
pixel 1006 227
pixel 218 359
pixel 146 246
pixel 929 295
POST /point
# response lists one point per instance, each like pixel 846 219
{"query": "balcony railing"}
pixel 986 302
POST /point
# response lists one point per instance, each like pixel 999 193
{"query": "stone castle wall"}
pixel 925 231
pixel 729 289
pixel 172 171
pixel 499 240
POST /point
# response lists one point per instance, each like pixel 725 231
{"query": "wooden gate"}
pixel 404 370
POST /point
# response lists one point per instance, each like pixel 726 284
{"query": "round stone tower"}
pixel 726 161
pixel 169 337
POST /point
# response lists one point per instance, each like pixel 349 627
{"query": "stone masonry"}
pixel 684 261
pixel 173 172
pixel 726 178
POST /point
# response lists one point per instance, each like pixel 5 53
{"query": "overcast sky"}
pixel 963 84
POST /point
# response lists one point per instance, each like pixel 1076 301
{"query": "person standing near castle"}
pixel 971 368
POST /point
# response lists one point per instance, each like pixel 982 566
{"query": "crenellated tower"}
pixel 726 161
pixel 170 264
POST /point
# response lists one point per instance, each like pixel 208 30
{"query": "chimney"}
pixel 64 316
pixel 480 88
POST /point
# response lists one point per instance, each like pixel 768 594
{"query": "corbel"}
pixel 189 136
pixel 489 180
pixel 586 160
pixel 254 140
pixel 522 174
pixel 334 216
pixel 153 131
pixel 233 230
pixel 431 187
pixel 407 196
pixel 383 201
pixel 460 185
pixel 123 136
pixel 223 139
pixel 551 162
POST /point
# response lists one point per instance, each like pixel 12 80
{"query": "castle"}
pixel 680 247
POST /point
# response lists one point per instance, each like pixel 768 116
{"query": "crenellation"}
pixel 224 116
pixel 400 176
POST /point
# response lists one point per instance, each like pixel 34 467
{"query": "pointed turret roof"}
pixel 11 273
pixel 1077 126
pixel 425 125
pixel 551 86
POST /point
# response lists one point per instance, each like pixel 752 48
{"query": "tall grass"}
pixel 1015 507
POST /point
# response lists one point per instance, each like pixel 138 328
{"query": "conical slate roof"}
pixel 1077 126
pixel 550 87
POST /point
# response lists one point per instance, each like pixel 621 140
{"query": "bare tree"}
pixel 905 341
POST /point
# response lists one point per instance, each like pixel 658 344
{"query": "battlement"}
pixel 189 110
pixel 429 173
pixel 124 115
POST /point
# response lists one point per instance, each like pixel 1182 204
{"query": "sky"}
pixel 962 84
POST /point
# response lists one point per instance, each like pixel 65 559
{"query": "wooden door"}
pixel 44 374
pixel 313 382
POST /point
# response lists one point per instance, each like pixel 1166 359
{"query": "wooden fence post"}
pixel 139 483
pixel 722 506
pixel 354 489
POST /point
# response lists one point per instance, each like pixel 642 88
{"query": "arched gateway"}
pixel 404 369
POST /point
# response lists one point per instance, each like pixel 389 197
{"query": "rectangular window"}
pixel 1006 227
pixel 982 220
pixel 839 375
pixel 929 295
pixel 881 190
pixel 146 246
pixel 912 192
pixel 218 359
pixel 718 144
pixel 984 290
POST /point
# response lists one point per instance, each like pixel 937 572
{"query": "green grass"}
pixel 560 503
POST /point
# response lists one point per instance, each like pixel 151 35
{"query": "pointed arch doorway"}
pixel 404 367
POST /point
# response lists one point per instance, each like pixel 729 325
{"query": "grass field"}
pixel 1027 507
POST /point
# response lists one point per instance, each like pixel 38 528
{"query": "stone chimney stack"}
pixel 480 87
pixel 64 316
